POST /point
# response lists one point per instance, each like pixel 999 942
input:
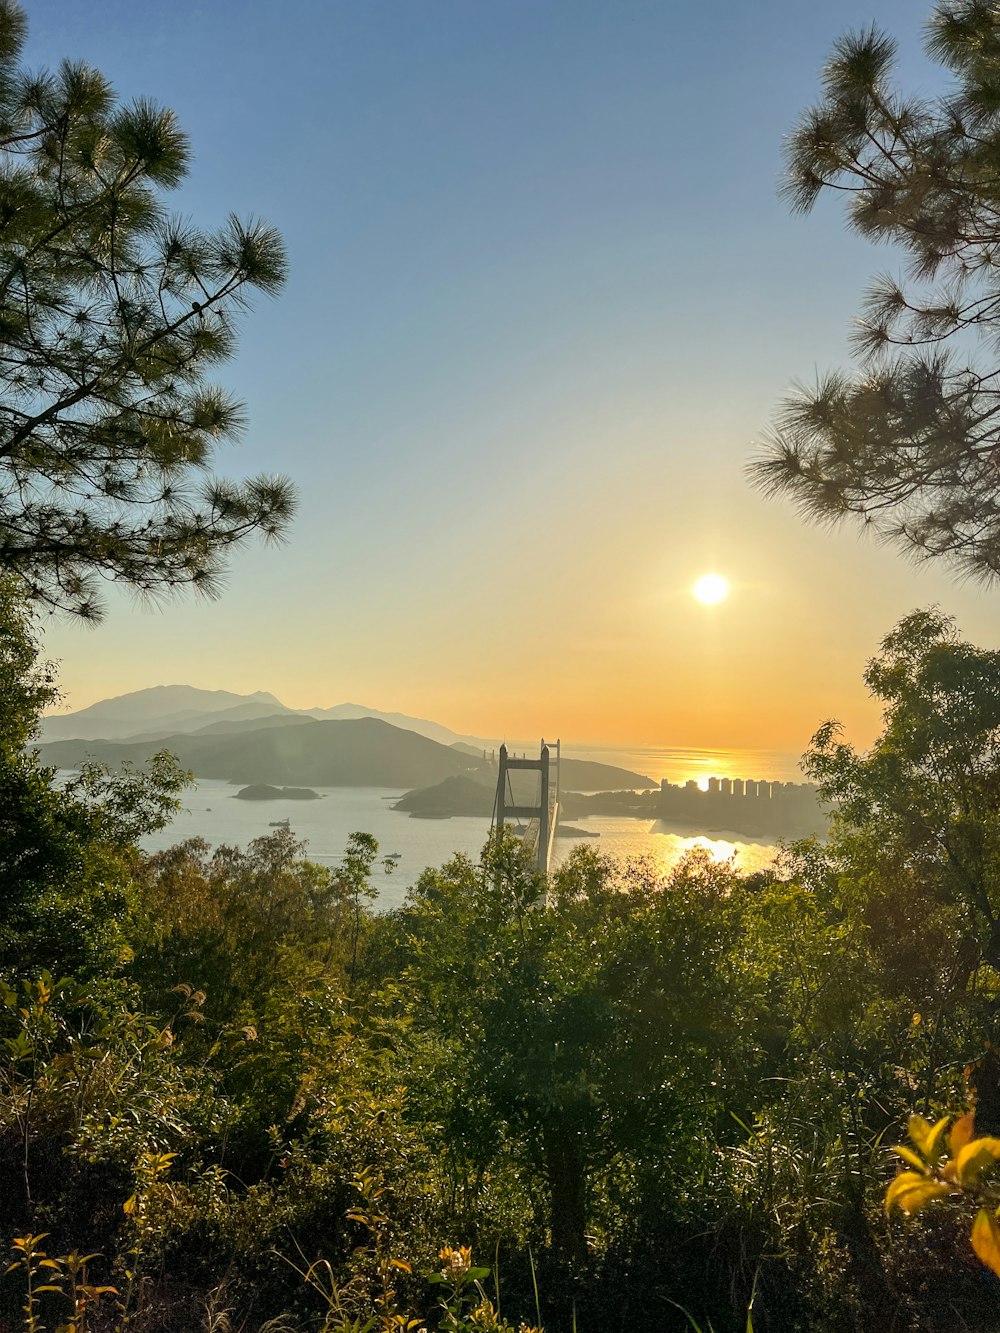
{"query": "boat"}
pixel 280 823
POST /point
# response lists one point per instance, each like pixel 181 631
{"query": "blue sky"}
pixel 543 296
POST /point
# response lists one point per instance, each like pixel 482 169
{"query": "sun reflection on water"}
pixel 627 839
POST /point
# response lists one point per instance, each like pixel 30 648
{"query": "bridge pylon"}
pixel 543 818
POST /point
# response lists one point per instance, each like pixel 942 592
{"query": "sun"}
pixel 711 589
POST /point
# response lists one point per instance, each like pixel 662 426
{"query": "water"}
pixel 678 764
pixel 212 812
pixel 624 838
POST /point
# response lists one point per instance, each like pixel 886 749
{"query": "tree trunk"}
pixel 565 1175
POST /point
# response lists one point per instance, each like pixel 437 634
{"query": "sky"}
pixel 543 298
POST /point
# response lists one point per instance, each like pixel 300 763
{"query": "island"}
pixel 260 791
pixel 454 796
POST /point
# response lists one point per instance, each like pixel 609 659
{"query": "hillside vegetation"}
pixel 238 1089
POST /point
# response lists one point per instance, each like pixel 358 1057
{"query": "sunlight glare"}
pixel 711 589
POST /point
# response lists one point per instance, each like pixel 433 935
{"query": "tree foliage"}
pixel 237 1089
pixel 66 848
pixel 595 1020
pixel 907 444
pixel 112 314
pixel 920 811
pixel 225 920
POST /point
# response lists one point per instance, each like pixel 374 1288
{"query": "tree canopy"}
pixel 916 816
pixel 112 313
pixel 222 1077
pixel 907 443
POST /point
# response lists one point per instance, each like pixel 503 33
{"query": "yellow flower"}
pixel 456 1262
pixel 484 1317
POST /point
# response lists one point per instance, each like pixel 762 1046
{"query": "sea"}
pixel 679 764
pixel 211 811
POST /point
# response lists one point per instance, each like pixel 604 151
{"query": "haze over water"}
pixel 680 763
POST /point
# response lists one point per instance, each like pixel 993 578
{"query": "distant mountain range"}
pixel 256 739
pixel 171 710
pixel 356 752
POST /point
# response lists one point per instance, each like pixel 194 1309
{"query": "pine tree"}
pixel 112 313
pixel 910 442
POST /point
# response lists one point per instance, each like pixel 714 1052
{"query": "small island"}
pixel 454 796
pixel 260 791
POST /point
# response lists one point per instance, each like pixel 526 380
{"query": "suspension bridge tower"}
pixel 543 818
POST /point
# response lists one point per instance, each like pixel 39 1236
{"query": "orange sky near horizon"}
pixel 638 664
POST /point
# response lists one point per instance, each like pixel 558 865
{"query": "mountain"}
pixel 454 796
pixel 433 730
pixel 243 717
pixel 177 717
pixel 159 711
pixel 585 775
pixel 475 750
pixel 171 710
pixel 228 725
pixel 475 793
pixel 163 700
pixel 358 752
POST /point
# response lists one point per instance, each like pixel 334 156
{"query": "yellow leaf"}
pixel 986 1239
pixel 975 1157
pixel 961 1133
pixel 933 1147
pixel 128 1207
pixel 908 1155
pixel 918 1129
pixel 910 1192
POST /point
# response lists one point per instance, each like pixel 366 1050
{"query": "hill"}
pixel 474 793
pixel 164 710
pixel 170 710
pixel 454 796
pixel 422 726
pixel 260 791
pixel 231 726
pixel 167 700
pixel 361 752
pixel 465 748
pixel 585 775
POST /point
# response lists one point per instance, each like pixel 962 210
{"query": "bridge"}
pixel 542 817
